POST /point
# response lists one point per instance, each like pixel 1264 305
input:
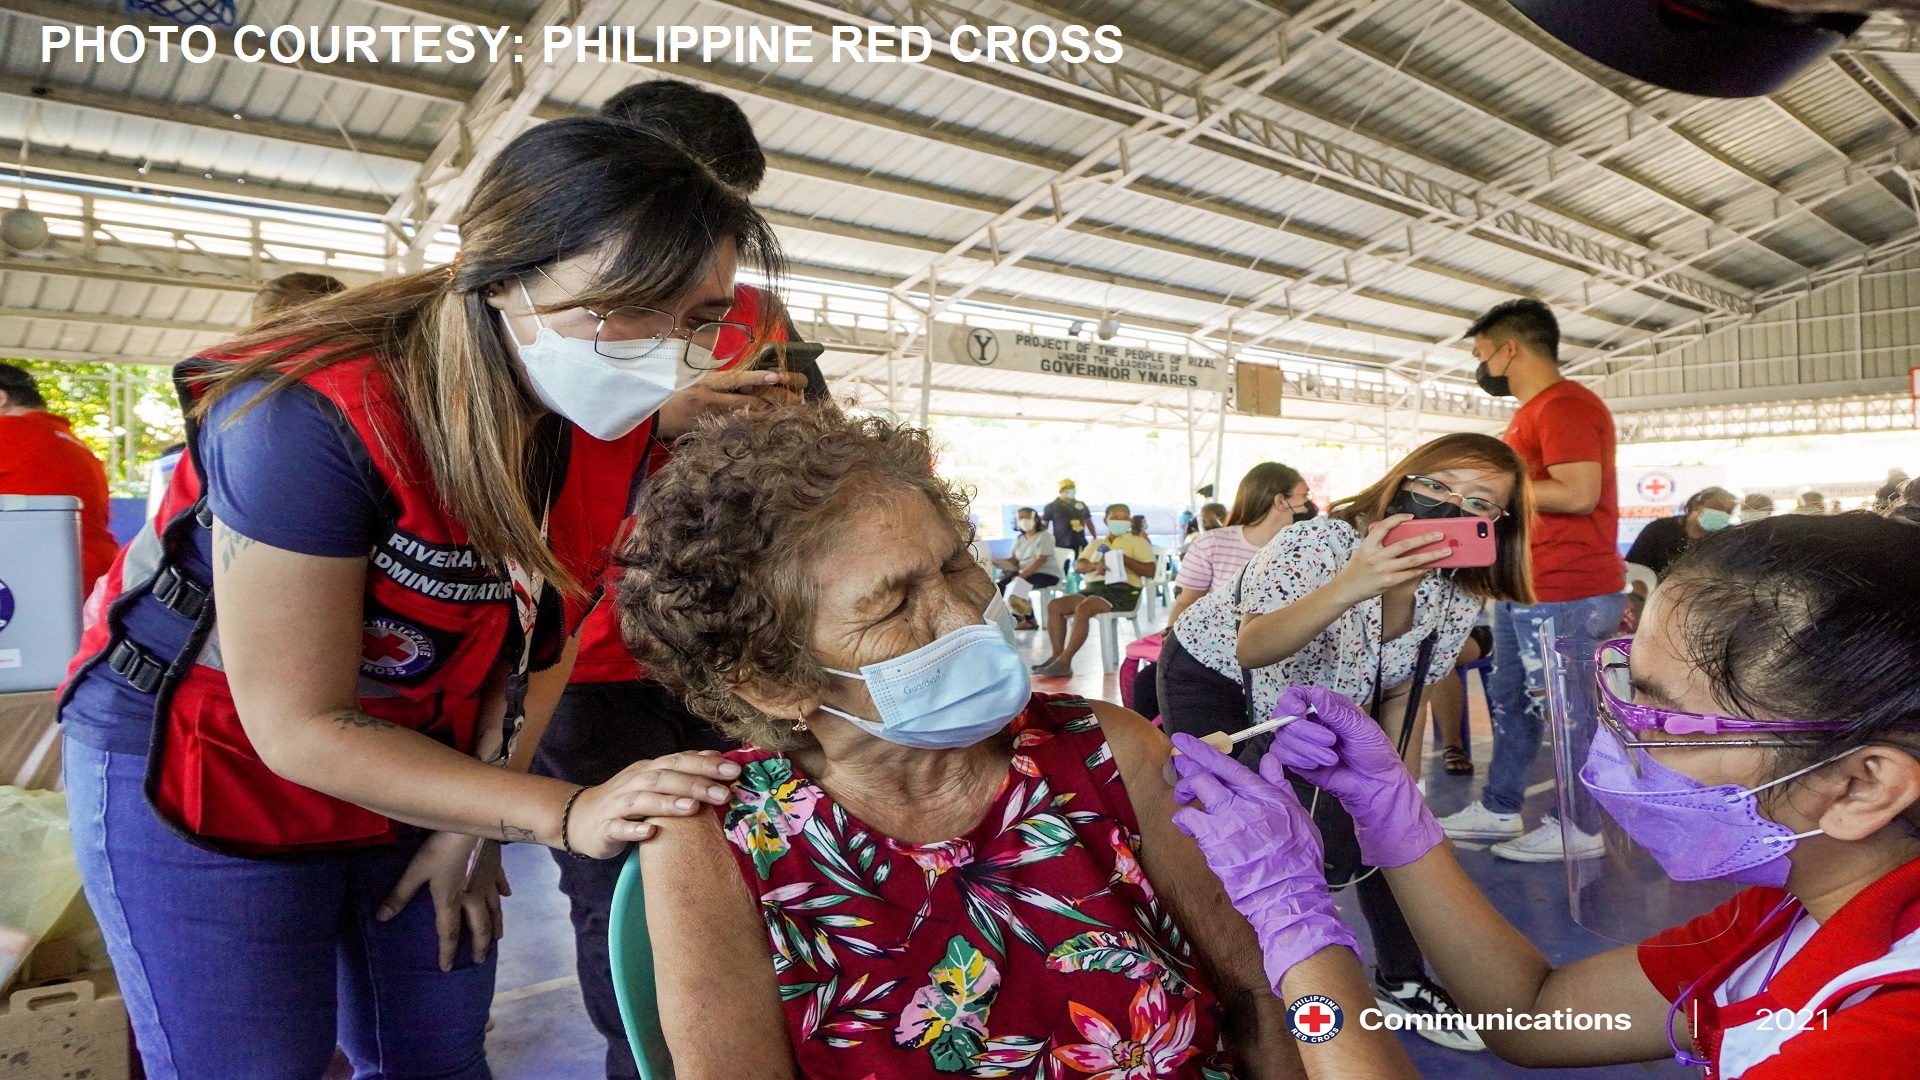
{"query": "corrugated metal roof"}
pixel 1427 115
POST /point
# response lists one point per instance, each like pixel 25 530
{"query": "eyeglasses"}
pixel 1428 492
pixel 1627 721
pixel 630 332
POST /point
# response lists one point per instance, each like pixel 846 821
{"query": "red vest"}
pixel 603 656
pixel 438 622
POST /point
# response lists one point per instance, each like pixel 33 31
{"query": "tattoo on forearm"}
pixel 231 544
pixel 357 719
pixel 514 834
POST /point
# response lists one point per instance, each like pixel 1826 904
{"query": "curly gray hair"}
pixel 716 592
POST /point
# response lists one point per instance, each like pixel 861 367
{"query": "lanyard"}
pixel 1688 1057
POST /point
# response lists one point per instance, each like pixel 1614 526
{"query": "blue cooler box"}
pixel 39 590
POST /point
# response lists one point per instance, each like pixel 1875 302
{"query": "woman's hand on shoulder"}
pixel 1377 566
pixel 609 816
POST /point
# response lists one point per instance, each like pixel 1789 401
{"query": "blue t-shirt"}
pixel 284 473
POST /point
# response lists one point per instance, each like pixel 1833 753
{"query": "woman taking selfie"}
pixel 301 867
pixel 1334 603
pixel 1762 728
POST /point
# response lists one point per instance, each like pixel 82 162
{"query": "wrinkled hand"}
pixel 441 865
pixel 1377 566
pixel 726 391
pixel 1262 844
pixel 1341 751
pixel 607 818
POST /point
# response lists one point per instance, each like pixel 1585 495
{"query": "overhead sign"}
pixel 1649 494
pixel 1020 350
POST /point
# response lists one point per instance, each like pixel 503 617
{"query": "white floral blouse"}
pixel 1346 656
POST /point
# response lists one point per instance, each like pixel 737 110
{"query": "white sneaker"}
pixel 1544 844
pixel 1436 1018
pixel 1477 822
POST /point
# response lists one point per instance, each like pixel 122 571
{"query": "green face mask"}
pixel 1715 520
pixel 1119 528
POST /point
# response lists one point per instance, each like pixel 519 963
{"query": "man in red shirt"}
pixel 40 455
pixel 1565 434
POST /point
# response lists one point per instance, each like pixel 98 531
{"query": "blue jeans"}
pixel 1516 692
pixel 252 969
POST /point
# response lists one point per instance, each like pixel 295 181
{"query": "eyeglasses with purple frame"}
pixel 1639 718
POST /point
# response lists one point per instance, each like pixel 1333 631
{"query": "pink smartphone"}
pixel 1471 539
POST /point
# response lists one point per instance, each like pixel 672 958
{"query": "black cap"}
pixel 1708 48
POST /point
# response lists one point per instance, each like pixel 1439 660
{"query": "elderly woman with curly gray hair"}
pixel 923 868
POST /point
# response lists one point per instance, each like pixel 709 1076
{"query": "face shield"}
pixel 1622 894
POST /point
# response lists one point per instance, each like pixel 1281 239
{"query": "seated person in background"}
pixel 1032 566
pixel 1907 507
pixel 1212 516
pixel 957 876
pixel 1811 502
pixel 1102 589
pixel 1665 539
pixel 1756 506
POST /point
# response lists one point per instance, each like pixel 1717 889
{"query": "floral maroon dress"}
pixel 1031 947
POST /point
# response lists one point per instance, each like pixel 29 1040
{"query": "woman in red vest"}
pixel 397 499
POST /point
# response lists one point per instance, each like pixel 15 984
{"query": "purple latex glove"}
pixel 1342 751
pixel 1262 844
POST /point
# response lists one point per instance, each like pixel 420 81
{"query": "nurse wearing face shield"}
pixel 1752 759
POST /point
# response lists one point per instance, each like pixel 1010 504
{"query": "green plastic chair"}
pixel 632 954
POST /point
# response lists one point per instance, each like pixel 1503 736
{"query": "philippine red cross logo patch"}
pixel 390 649
pixel 1314 1019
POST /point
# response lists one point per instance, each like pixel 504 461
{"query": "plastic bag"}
pixel 38 878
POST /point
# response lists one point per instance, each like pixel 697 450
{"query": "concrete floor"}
pixel 541 1031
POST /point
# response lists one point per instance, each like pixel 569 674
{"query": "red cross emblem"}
pixel 384 646
pixel 1314 1018
pixel 1656 487
pixel 391 649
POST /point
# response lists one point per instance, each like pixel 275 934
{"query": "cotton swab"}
pixel 1225 742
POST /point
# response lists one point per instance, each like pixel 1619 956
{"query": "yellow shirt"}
pixel 1133 546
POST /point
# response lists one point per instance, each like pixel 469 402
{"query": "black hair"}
pixel 1527 321
pixel 1807 618
pixel 17 383
pixel 711 126
pixel 1698 498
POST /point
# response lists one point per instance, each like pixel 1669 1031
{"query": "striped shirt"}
pixel 1214 558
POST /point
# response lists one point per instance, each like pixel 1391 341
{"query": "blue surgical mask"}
pixel 1119 528
pixel 1000 615
pixel 955 691
pixel 1715 520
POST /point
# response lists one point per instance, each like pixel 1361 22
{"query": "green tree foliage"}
pixel 84 393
